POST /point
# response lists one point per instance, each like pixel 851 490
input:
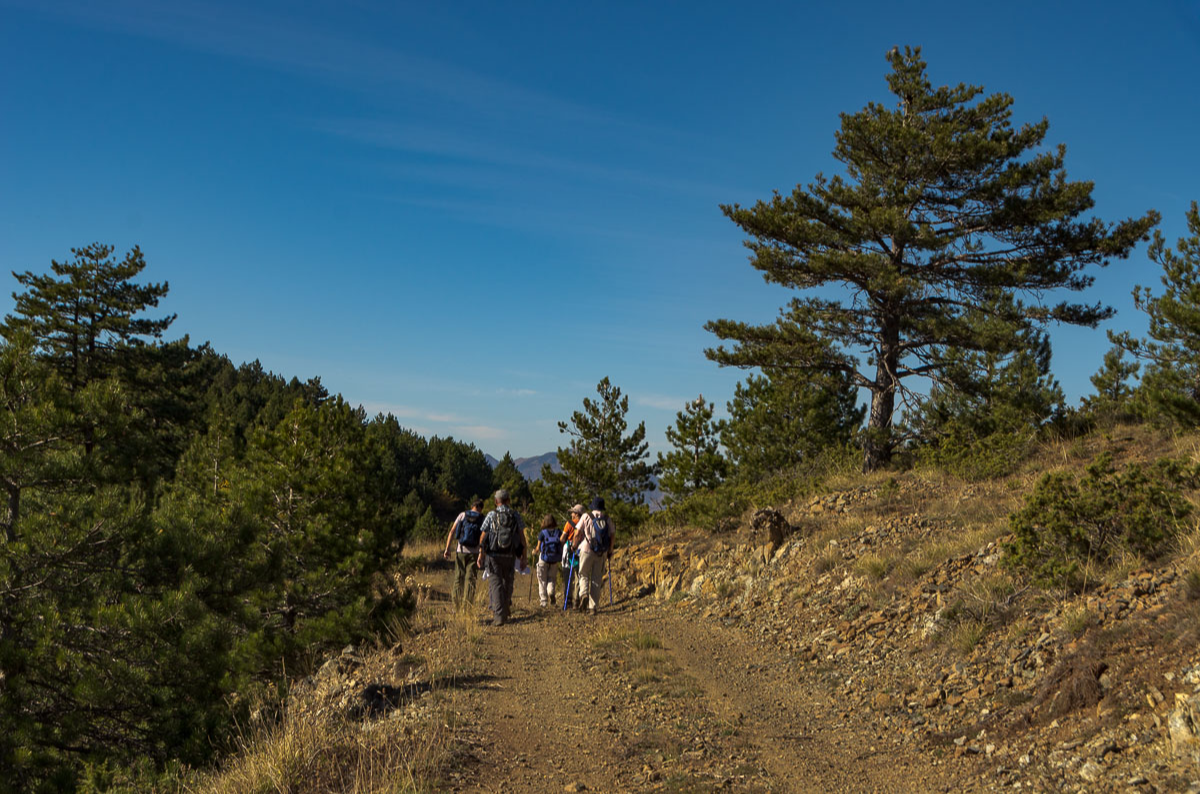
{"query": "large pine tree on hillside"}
pixel 945 209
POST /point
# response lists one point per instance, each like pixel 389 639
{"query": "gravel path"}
pixel 646 697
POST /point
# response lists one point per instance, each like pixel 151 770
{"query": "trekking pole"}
pixel 570 575
pixel 610 581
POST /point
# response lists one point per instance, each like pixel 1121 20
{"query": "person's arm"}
pixel 487 526
pixel 524 545
pixel 450 537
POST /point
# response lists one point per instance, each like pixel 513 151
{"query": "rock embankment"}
pixel 933 639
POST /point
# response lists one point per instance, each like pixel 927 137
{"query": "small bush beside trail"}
pixel 1067 527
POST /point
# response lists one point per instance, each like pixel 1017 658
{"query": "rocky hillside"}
pixel 894 592
pixel 868 636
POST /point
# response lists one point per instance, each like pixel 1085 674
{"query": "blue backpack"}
pixel 470 529
pixel 601 540
pixel 551 546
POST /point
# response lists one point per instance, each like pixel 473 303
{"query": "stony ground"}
pixel 647 697
pixel 800 654
pixel 866 639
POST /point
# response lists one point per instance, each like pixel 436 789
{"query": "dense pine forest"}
pixel 183 535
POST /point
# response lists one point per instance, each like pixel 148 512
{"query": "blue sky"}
pixel 469 213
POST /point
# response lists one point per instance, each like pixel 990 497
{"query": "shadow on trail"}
pixel 466 682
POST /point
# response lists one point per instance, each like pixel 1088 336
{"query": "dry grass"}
pixel 875 566
pixel 616 637
pixel 828 559
pixel 310 752
pixel 966 635
pixel 651 669
pixel 313 748
pixel 1077 620
pixel 925 556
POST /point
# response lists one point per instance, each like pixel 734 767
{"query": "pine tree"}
pixel 600 460
pixel 37 429
pixel 945 207
pixel 695 462
pixel 506 475
pixel 86 318
pixel 1114 398
pixel 1172 378
pixel 84 315
pixel 784 417
pixel 981 417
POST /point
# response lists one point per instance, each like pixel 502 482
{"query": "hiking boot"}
pixel 498 621
pixel 553 601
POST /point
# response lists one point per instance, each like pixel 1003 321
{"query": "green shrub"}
pixel 1069 526
pixel 979 458
pixel 715 508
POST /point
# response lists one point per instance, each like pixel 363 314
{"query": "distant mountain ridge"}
pixel 531 469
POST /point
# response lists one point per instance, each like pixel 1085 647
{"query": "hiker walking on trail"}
pixel 501 549
pixel 464 536
pixel 569 528
pixel 595 549
pixel 549 553
pixel 570 556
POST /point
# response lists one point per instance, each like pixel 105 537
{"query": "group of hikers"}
pixel 495 543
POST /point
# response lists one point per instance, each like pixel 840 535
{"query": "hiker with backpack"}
pixel 570 555
pixel 549 554
pixel 501 549
pixel 465 534
pixel 595 549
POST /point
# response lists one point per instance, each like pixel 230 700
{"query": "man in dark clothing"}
pixel 502 548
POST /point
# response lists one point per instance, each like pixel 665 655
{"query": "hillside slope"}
pixel 866 638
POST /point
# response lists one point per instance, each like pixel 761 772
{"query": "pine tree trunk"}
pixel 879 443
pixel 13 512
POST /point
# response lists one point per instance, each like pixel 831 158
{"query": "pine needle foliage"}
pixel 1068 527
pixel 604 458
pixel 784 418
pixel 695 461
pixel 1172 353
pixel 945 208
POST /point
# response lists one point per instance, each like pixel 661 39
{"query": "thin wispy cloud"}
pixel 409 412
pixel 484 432
pixel 662 402
pixel 454 144
pixel 235 31
pixel 516 392
pixel 444 418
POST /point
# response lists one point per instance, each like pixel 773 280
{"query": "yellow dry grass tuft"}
pixel 310 752
pixel 312 748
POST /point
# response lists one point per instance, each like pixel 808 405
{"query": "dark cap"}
pixel 598 503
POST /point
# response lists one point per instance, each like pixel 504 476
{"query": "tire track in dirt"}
pixel 569 703
pixel 791 717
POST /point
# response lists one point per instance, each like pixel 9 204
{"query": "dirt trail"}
pixel 646 697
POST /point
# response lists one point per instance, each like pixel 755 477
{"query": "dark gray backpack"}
pixel 503 539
